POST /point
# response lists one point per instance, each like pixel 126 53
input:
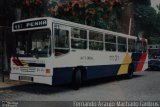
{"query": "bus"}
pixel 54 51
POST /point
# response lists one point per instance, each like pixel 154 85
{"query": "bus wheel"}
pixel 77 79
pixel 130 72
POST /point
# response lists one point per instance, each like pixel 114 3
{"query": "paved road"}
pixel 144 86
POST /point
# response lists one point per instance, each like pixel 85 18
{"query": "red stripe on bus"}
pixel 17 61
pixel 141 62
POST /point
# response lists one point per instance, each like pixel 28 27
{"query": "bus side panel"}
pixel 62 75
pixel 102 71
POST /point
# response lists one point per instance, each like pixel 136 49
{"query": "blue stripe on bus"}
pixel 64 75
pixel 135 59
pixel 94 72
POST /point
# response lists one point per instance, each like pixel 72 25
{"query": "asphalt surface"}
pixel 144 86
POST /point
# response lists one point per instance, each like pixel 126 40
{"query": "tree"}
pixel 158 19
pixel 7 16
pixel 7 12
pixel 145 17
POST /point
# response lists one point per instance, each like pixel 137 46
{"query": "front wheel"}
pixel 77 80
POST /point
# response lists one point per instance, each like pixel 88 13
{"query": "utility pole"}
pixel 130 26
pixel 2 54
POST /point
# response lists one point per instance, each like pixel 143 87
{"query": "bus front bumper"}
pixel 32 78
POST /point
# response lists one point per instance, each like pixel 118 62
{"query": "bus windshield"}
pixel 34 43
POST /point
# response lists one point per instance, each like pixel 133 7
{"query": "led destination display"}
pixel 30 24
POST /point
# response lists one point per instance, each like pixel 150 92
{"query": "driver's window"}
pixel 61 42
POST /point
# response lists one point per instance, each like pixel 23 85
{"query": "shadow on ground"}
pixel 152 70
pixel 46 89
pixel 107 80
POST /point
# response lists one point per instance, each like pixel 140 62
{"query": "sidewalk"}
pixel 9 83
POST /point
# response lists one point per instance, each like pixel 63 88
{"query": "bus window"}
pixel 110 43
pixel 33 43
pixel 122 44
pixel 95 41
pixel 61 42
pixel 77 33
pixel 131 45
pixel 79 38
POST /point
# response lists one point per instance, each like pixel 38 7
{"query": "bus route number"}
pixel 114 58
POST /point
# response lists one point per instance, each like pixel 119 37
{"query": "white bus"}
pixel 53 51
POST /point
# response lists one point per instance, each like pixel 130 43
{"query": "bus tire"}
pixel 77 79
pixel 130 72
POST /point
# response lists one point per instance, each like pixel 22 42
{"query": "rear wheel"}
pixel 77 79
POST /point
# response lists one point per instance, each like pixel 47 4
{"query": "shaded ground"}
pixel 144 86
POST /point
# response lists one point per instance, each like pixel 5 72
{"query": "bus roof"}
pixel 46 22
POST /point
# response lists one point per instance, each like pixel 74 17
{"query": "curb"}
pixel 11 83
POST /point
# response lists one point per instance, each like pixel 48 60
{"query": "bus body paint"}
pixel 125 64
pixel 141 62
pixel 98 62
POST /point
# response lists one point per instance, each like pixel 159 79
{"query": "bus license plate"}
pixel 26 78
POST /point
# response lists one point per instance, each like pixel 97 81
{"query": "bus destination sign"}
pixel 30 24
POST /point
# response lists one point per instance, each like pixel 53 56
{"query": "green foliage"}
pixel 96 13
pixel 145 17
pixel 158 23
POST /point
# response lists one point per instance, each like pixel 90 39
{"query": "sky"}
pixel 154 3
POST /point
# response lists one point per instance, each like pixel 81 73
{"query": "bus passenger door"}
pixel 61 39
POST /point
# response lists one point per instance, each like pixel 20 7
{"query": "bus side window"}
pixel 131 45
pixel 110 42
pixel 95 40
pixel 79 38
pixel 61 42
pixel 122 44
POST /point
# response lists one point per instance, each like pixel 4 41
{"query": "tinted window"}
pixel 110 38
pixel 110 42
pixel 95 36
pixel 122 46
pixel 95 41
pixel 79 38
